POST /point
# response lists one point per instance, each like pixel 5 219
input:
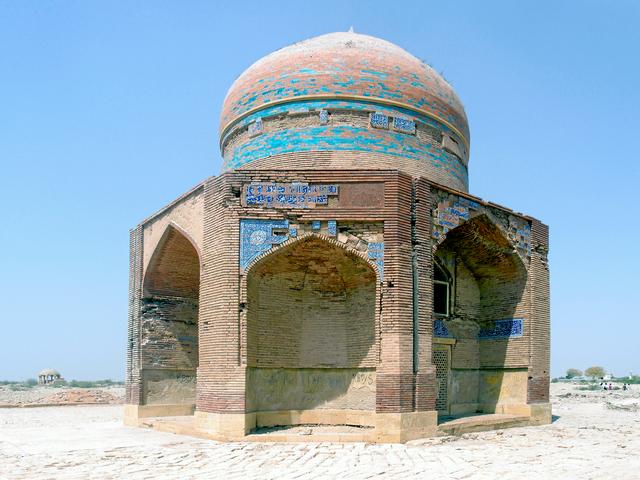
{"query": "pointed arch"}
pixel 489 283
pixel 311 326
pixel 174 267
pixel 307 237
pixel 169 321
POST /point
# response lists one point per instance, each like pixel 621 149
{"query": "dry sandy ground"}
pixel 595 435
pixel 59 395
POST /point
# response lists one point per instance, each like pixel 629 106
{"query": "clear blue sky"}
pixel 110 110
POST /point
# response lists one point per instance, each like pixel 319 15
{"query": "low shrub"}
pixel 592 387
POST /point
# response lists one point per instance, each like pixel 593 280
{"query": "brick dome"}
pixel 336 72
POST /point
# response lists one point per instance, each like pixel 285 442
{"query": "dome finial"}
pixel 351 29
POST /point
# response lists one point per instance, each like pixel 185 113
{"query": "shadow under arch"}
pixel 169 321
pixel 486 319
pixel 312 338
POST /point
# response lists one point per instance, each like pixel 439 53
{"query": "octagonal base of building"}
pixel 325 297
pixel 336 426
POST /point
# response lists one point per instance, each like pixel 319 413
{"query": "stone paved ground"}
pixel 588 440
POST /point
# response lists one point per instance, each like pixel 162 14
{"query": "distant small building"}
pixel 48 375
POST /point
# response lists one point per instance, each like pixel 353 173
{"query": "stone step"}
pixel 481 423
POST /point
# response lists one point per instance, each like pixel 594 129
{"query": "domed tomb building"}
pixel 338 271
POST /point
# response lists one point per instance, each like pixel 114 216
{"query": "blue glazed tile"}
pixel 315 225
pixel 256 237
pixel 255 128
pixel 404 125
pixel 324 117
pixel 332 227
pixel 507 328
pixel 293 232
pixel 379 120
pixel 440 329
pixel 375 252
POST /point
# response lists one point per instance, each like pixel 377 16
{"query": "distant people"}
pixel 610 386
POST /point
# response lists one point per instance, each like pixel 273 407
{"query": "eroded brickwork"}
pixel 338 270
pixel 168 321
pixel 539 375
pixel 311 305
pixel 330 306
pixel 133 387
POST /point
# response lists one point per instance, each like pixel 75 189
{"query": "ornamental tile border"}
pixel 500 329
pixel 256 237
pixel 375 252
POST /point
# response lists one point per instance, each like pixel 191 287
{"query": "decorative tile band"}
pixel 508 328
pixel 499 329
pixel 440 329
pixel 257 237
pixel 453 210
pixel 327 105
pixel 332 227
pixel 287 195
pixel 375 252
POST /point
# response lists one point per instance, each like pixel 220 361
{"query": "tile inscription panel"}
pixel 287 195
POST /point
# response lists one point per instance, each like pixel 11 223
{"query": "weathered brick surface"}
pixel 290 309
pixel 539 374
pixel 323 297
pixel 320 304
pixel 133 381
pixel 312 305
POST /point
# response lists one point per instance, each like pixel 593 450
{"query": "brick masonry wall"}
pixel 345 140
pixel 133 381
pixel 223 360
pixel 358 160
pixel 538 388
pixel 184 214
pixel 496 269
pixel 168 323
pixel 374 206
pixel 311 305
pixel 425 376
pixel 221 375
pixel 169 333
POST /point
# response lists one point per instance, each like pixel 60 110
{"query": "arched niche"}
pixel 486 318
pixel 311 332
pixel 169 321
